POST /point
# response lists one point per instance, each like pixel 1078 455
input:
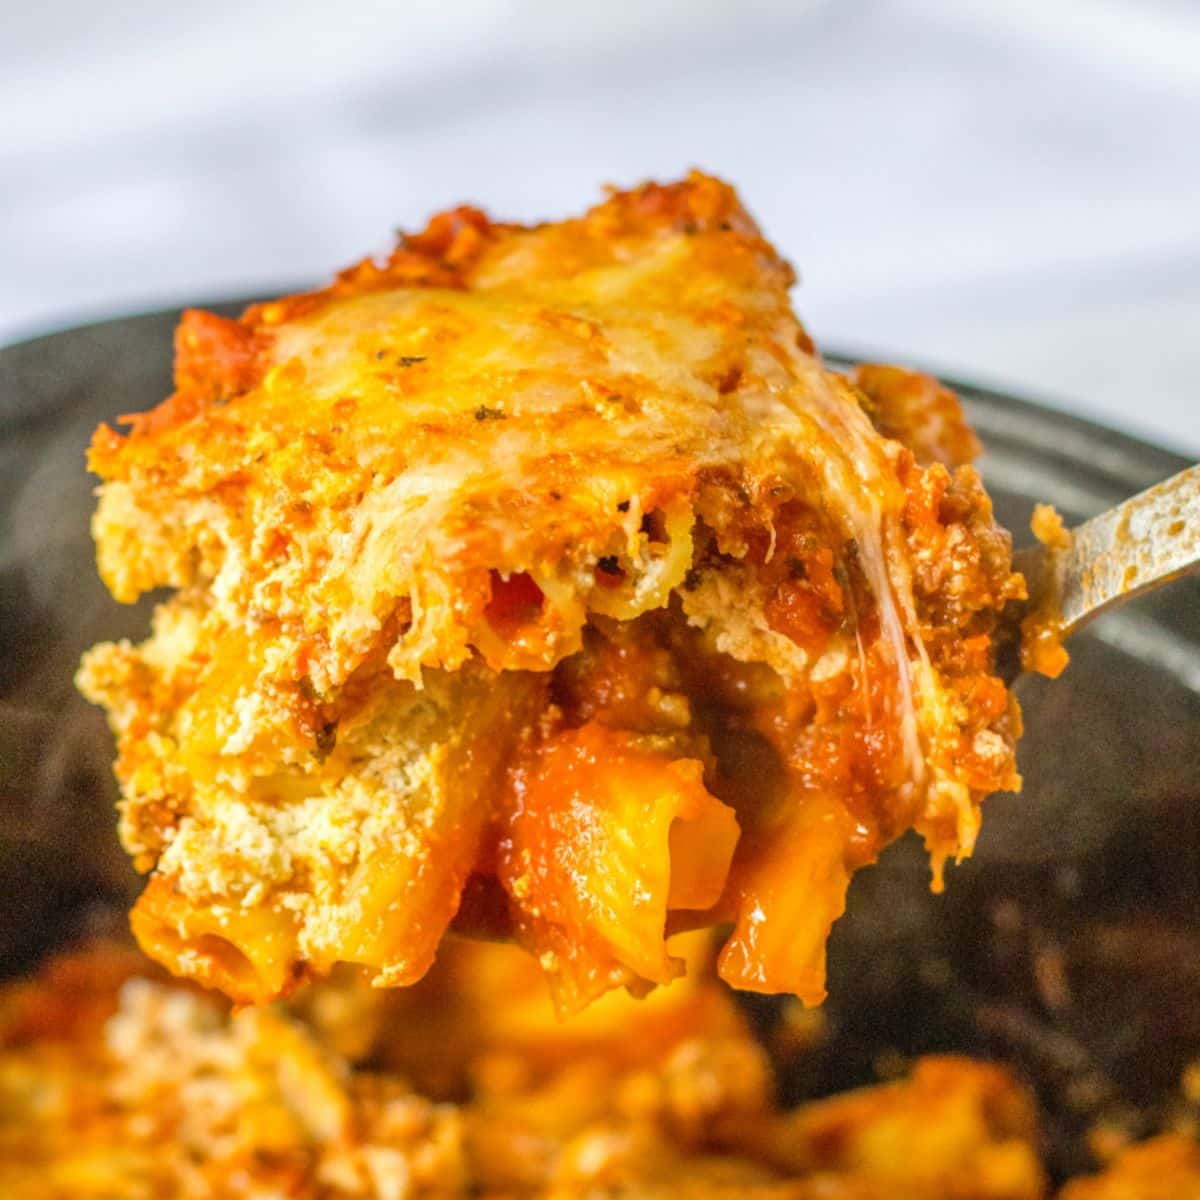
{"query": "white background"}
pixel 1001 189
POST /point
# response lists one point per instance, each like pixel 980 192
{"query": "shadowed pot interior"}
pixel 1068 947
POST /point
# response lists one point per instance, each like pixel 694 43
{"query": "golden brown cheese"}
pixel 400 446
pixel 545 580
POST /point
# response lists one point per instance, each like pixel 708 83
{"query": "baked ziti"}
pixel 542 581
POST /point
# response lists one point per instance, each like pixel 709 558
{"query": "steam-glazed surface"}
pixel 546 568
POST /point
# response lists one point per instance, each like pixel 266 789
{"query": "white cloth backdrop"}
pixel 1000 189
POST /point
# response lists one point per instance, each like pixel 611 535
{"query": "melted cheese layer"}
pixel 398 447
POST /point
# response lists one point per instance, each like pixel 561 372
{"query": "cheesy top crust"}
pixel 348 471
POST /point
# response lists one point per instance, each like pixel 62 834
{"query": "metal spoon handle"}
pixel 1146 541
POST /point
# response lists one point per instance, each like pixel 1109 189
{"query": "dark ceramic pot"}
pixel 1068 947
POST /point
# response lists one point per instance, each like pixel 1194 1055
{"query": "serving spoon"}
pixel 1134 547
